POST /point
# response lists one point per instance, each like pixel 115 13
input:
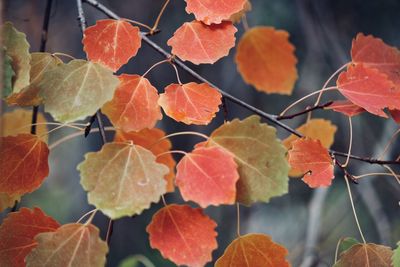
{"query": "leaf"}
pixel 260 156
pixel 311 158
pixel 136 261
pixel 72 244
pixel 317 129
pixel 255 250
pixel 200 43
pixel 19 121
pixel 237 17
pixel 346 107
pixel 76 90
pixel 346 243
pixel 372 52
pixel 7 201
pixel 369 89
pixel 396 256
pixel 208 176
pixel 150 139
pixel 366 255
pixel 17 48
pixel 191 102
pixel 122 179
pixel 214 12
pixel 395 113
pixel 134 105
pixel 23 163
pixel 8 74
pixel 183 235
pixel 29 96
pixel 265 59
pixel 17 234
pixel 111 42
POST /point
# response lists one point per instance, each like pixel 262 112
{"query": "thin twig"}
pixel 307 110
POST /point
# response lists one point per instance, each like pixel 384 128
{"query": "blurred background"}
pixel 308 222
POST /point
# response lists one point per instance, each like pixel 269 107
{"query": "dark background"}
pixel 322 32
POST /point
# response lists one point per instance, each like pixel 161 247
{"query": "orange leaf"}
pixel 208 176
pixel 346 107
pixel 214 12
pixel 190 102
pixel 134 105
pixel 72 244
pixel 310 157
pixel 366 255
pixel 183 235
pixel 23 163
pixel 255 250
pixel 265 59
pixel 149 139
pixel 374 53
pixel 200 43
pixel 17 234
pixel 111 42
pixel 369 89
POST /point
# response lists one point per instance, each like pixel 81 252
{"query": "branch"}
pixel 307 110
pixel 270 117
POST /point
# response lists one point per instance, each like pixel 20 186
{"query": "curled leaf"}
pixel 200 43
pixel 183 235
pixel 191 102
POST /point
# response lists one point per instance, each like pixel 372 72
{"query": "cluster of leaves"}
pixel 241 161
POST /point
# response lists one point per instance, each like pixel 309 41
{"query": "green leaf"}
pixel 17 48
pixel 76 90
pixel 346 243
pixel 8 74
pixel 136 261
pixel 122 179
pixel 260 156
pixel 396 256
pixel 29 96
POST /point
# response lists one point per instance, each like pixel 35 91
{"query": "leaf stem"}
pixel 137 23
pixel 154 28
pixel 56 54
pixel 389 144
pixel 238 219
pixel 350 144
pixel 245 23
pixel 155 65
pixel 86 214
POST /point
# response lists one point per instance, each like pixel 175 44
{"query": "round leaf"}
pixel 366 255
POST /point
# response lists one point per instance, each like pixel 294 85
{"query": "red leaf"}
pixel 200 43
pixel 111 42
pixel 310 157
pixel 211 11
pixel 190 102
pixel 17 234
pixel 374 53
pixel 346 107
pixel 183 235
pixel 395 113
pixel 23 163
pixel 208 176
pixel 369 89
pixel 134 105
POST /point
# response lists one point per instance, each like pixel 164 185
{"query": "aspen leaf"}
pixel 23 163
pixel 134 105
pixel 19 121
pixel 29 96
pixel 150 139
pixel 260 156
pixel 369 89
pixel 200 43
pixel 255 250
pixel 8 74
pixel 265 59
pixel 8 201
pixel 366 255
pixel 372 52
pixel 208 176
pixel 396 256
pixel 17 234
pixel 122 179
pixel 317 129
pixel 111 42
pixel 395 113
pixel 237 17
pixel 313 159
pixel 346 243
pixel 76 90
pixel 17 48
pixel 346 107
pixel 191 102
pixel 183 235
pixel 72 244
pixel 214 12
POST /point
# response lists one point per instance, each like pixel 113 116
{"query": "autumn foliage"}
pixel 241 162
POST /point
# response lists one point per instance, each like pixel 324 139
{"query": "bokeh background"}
pixel 322 32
